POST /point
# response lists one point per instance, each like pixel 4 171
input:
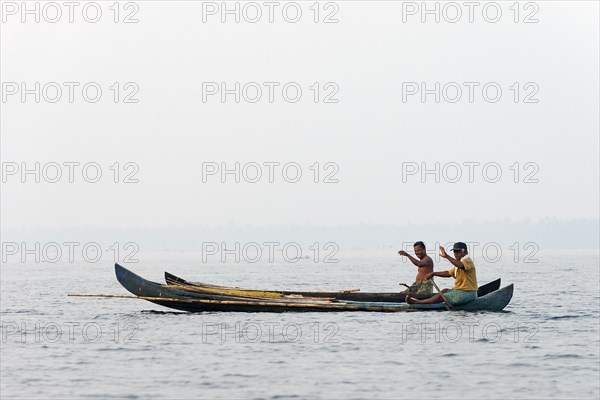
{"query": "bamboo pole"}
pixel 448 306
pixel 334 306
pixel 266 293
pixel 246 294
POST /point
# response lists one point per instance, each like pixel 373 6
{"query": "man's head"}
pixel 420 250
pixel 460 250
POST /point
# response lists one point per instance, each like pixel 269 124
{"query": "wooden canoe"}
pixel 390 297
pixel 174 297
pixel 184 300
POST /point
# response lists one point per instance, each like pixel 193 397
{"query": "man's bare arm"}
pixel 426 262
pixel 442 274
pixel 453 260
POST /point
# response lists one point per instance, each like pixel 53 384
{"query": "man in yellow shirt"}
pixel 463 271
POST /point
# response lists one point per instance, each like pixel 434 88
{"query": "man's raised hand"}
pixel 443 252
pixel 403 253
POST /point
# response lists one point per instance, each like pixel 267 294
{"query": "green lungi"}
pixel 422 288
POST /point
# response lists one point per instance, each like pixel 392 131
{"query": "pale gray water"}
pixel 545 346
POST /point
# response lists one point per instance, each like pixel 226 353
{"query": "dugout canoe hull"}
pixel 175 298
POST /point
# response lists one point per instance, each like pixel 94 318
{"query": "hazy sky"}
pixel 377 137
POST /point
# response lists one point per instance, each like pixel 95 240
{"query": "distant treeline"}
pixel 548 234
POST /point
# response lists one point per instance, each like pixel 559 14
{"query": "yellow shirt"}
pixel 464 279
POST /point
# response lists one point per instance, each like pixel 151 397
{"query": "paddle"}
pixel 448 306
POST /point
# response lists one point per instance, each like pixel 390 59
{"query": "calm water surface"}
pixel 546 344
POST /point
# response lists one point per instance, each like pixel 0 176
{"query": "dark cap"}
pixel 459 246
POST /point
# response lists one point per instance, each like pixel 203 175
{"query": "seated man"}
pixel 463 271
pixel 424 263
